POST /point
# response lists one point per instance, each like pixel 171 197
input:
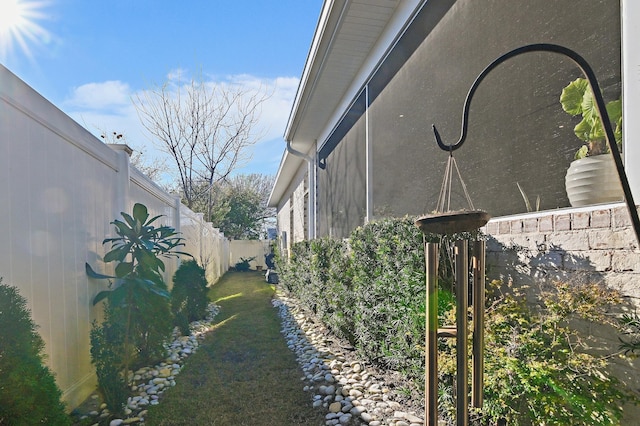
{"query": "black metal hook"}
pixel 600 105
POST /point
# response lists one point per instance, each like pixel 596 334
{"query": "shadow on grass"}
pixel 243 373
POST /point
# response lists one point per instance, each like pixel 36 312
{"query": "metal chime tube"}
pixel 477 373
pixel 462 356
pixel 431 339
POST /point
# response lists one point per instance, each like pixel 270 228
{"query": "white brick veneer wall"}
pixel 593 244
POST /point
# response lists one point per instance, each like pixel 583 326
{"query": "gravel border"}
pixel 353 392
pixel 150 382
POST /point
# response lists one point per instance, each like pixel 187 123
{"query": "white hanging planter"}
pixel 593 180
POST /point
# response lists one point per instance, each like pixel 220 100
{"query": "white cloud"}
pixel 100 96
pixel 178 75
pixel 277 108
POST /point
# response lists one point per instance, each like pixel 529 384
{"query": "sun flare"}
pixel 19 27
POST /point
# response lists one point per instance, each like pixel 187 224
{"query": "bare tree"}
pixel 205 128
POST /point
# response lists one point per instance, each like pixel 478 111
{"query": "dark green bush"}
pixel 295 273
pixel 389 282
pixel 332 286
pixel 107 354
pixel 318 274
pixel 150 328
pixel 371 290
pixel 110 349
pixel 189 295
pixel 28 391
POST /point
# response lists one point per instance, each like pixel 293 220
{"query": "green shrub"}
pixel 28 391
pixel 371 290
pixel 189 295
pixel 389 281
pixel 538 367
pixel 331 285
pixel 318 274
pixel 137 298
pixel 294 273
pixel 107 354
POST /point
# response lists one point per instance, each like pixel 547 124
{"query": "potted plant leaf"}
pixel 592 177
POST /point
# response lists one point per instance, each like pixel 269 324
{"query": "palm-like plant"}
pixel 138 287
pixel 136 249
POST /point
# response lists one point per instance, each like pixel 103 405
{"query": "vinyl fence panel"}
pixel 60 187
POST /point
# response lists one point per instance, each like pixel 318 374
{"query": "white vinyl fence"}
pixel 205 243
pixel 60 187
pixel 247 249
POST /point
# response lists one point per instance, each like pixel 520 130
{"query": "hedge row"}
pixel 29 394
pixel 370 290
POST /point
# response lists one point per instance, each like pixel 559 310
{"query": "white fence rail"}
pixel 60 187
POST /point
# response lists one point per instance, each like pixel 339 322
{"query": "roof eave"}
pixel 289 166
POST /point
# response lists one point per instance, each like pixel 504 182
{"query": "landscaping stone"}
pixel 343 385
pixel 149 382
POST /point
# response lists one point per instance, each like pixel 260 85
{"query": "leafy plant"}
pixel 630 324
pixel 141 243
pixel 538 369
pixel 388 276
pixel 527 203
pixel 28 391
pixel 138 297
pixel 577 99
pixel 189 295
pixel 108 357
pixel 244 264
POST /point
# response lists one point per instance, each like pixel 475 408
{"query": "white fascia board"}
pixel 399 22
pixel 289 166
pixel 309 66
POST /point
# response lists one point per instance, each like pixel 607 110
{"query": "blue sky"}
pixel 90 57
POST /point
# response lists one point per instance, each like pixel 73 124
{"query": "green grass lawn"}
pixel 243 373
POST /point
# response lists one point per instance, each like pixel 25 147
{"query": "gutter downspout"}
pixel 311 170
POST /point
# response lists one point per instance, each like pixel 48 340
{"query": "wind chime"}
pixel 444 221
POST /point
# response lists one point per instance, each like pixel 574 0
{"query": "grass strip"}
pixel 243 372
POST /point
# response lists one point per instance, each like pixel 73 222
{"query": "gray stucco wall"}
pixel 342 195
pixel 518 132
